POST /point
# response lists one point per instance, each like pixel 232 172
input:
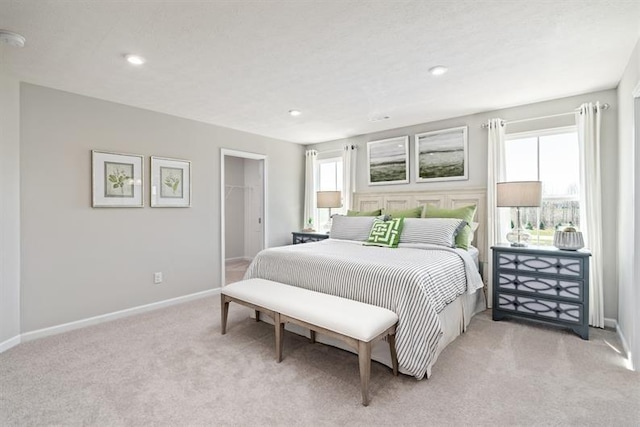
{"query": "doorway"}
pixel 242 211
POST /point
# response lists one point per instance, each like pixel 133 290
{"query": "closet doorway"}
pixel 242 211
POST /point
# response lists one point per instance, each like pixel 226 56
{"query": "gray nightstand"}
pixel 542 283
pixel 308 236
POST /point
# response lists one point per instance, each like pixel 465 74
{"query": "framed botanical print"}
pixel 388 161
pixel 170 183
pixel 116 180
pixel 442 155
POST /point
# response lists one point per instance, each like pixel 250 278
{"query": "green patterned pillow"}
pixel 465 236
pixel 364 213
pixel 385 233
pixel 406 213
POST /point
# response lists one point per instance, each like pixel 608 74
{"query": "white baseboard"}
pixel 65 327
pixel 610 323
pixel 11 342
pixel 625 348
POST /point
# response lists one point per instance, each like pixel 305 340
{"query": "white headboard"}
pixel 399 200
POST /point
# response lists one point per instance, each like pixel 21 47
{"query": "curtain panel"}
pixel 498 219
pixel 349 161
pixel 310 189
pixel 588 122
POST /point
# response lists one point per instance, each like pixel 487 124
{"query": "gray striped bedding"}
pixel 415 281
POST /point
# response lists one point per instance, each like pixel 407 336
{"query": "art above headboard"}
pixel 449 199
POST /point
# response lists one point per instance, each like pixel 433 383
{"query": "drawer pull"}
pixel 558 288
pixel 515 282
pixel 559 266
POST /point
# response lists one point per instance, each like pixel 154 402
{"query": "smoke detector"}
pixel 12 39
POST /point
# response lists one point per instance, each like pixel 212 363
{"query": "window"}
pixel 550 156
pixel 329 178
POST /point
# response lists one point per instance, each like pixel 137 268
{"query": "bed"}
pixel 435 290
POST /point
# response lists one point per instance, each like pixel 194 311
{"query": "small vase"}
pixel 568 240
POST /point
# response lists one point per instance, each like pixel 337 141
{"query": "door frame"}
pixel 224 152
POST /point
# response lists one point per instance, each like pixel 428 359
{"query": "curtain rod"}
pixel 486 125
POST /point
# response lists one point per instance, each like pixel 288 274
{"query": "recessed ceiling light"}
pixel 438 70
pixel 135 59
pixel 294 113
pixel 12 39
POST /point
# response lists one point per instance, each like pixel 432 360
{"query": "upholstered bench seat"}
pixel 356 323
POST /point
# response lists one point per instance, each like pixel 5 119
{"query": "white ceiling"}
pixel 245 64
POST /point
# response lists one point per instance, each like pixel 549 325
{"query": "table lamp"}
pixel 519 194
pixel 329 199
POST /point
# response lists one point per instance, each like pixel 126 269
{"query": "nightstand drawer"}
pixel 541 286
pixel 542 308
pixel 565 266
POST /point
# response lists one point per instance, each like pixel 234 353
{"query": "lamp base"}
pixel 518 238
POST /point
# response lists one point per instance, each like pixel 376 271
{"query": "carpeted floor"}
pixel 172 367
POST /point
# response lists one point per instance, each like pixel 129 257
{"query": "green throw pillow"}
pixel 385 233
pixel 407 213
pixel 464 237
pixel 363 213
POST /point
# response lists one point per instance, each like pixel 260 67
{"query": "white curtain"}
pixel 349 155
pixel 498 218
pixel 310 189
pixel 588 122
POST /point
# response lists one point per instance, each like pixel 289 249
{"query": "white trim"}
pixel 541 132
pixel 625 348
pixel 10 343
pixel 610 323
pixel 65 327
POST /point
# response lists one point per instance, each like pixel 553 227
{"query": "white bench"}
pixel 356 323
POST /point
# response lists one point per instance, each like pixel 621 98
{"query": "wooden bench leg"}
pixel 364 357
pixel 279 333
pixel 394 355
pixel 257 316
pixel 312 336
pixel 224 312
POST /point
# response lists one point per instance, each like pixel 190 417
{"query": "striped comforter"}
pixel 415 282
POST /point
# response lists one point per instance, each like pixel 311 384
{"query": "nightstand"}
pixel 307 236
pixel 542 283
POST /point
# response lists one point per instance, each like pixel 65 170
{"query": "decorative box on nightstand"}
pixel 307 236
pixel 542 283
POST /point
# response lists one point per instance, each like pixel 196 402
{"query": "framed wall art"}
pixel 442 155
pixel 388 161
pixel 170 183
pixel 116 180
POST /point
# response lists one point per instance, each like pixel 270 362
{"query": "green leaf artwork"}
pixel 172 182
pixel 119 179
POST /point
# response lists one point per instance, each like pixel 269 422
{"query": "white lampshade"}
pixel 519 194
pixel 329 199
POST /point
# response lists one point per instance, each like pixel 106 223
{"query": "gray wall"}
pixel 478 161
pixel 628 232
pixel 9 208
pixel 79 262
pixel 234 207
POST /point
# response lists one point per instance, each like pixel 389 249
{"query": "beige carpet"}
pixel 172 367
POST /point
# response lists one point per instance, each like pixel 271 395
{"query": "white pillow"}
pixel 434 231
pixel 351 227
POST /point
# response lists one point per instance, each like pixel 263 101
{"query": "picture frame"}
pixel 170 183
pixel 442 155
pixel 117 180
pixel 388 161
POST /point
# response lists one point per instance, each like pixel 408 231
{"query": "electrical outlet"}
pixel 157 277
